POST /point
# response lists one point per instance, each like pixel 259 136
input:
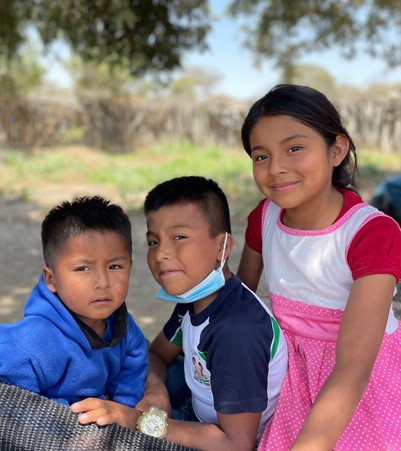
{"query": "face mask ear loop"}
pixel 223 260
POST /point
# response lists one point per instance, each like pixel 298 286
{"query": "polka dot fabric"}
pixel 376 423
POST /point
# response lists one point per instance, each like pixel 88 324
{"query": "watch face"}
pixel 153 425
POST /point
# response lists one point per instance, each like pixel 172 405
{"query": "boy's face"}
pixel 91 275
pixel 181 252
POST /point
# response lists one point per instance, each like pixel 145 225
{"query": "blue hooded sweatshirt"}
pixel 52 353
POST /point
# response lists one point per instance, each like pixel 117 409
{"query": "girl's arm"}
pixel 358 343
pixel 250 267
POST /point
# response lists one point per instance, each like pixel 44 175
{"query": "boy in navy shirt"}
pixel 235 356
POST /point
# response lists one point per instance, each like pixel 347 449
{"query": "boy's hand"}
pixel 155 395
pixel 161 354
pixel 104 412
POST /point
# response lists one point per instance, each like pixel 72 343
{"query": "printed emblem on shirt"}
pixel 199 370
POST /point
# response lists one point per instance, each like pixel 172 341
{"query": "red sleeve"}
pixel 376 249
pixel 253 233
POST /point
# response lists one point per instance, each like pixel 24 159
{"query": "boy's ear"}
pixel 339 149
pixel 229 246
pixel 49 278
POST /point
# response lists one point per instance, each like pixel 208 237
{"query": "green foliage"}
pixel 369 169
pixel 310 75
pixel 372 163
pixel 149 35
pixel 102 80
pixel 11 37
pixel 192 83
pixel 380 90
pixel 321 79
pixel 129 175
pixel 286 29
pixel 21 74
pixel 73 134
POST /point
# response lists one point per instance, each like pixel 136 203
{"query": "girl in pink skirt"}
pixel 331 263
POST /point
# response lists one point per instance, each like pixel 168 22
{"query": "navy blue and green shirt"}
pixel 235 353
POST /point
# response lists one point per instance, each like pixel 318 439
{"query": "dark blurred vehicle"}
pixel 387 197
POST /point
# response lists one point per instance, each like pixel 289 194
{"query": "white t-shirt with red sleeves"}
pixel 375 248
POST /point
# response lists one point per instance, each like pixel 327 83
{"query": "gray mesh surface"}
pixel 29 422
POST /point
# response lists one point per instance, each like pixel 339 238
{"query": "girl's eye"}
pixel 260 157
pixel 152 243
pixel 294 149
pixel 179 237
pixel 115 266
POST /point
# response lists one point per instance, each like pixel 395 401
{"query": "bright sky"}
pixel 241 79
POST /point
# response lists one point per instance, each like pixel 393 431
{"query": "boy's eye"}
pixel 294 149
pixel 179 237
pixel 81 268
pixel 114 266
pixel 152 243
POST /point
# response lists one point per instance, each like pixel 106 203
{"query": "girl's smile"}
pixel 293 167
pixel 283 186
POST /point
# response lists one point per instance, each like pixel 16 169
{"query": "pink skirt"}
pixel 376 423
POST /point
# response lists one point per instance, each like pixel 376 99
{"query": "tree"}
pixel 10 37
pixel 150 34
pixel 21 74
pixel 195 82
pixel 101 80
pixel 311 75
pixel 286 29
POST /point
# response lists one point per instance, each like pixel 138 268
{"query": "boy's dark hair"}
pixel 205 193
pixel 76 217
pixel 311 108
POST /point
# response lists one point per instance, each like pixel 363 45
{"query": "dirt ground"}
pixel 21 263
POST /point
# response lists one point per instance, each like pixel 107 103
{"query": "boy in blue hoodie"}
pixel 77 339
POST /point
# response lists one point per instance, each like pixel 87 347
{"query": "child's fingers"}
pixel 92 410
pixel 85 405
pixel 104 412
pixel 99 416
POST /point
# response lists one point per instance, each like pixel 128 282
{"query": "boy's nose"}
pixel 102 279
pixel 162 252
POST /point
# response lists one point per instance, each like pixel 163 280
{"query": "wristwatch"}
pixel 153 422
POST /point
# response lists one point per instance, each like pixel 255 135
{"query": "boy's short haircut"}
pixel 82 214
pixel 205 193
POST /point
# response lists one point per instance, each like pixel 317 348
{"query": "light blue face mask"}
pixel 212 283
